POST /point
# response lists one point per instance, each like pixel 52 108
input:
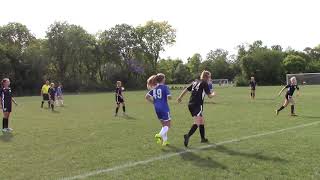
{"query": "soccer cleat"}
pixel 115 115
pixel 158 138
pixel 294 114
pixel 205 140
pixel 165 143
pixel 277 112
pixel 186 140
pixel 4 130
pixel 9 129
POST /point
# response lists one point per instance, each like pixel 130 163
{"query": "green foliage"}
pixel 294 64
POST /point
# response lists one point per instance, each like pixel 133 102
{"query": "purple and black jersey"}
pixel 6 99
pixel 291 89
pixel 198 91
pixel 253 84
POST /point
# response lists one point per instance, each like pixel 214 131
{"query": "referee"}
pixel 45 93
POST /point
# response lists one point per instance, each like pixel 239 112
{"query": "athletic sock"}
pixel 52 107
pixel 192 129
pixel 292 109
pixel 42 104
pixel 117 109
pixel 5 123
pixel 61 102
pixel 282 107
pixel 49 104
pixel 202 131
pixel 251 95
pixel 124 108
pixel 165 137
pixel 163 131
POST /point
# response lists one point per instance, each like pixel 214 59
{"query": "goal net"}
pixel 220 82
pixel 305 78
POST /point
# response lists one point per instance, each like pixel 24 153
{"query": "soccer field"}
pixel 84 139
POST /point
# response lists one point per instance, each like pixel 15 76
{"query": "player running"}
pixel 198 91
pixel 52 95
pixel 6 104
pixel 119 98
pixel 159 96
pixel 252 85
pixel 291 87
pixel 45 93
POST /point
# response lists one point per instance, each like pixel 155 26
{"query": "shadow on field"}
pixel 6 137
pixel 257 156
pixel 196 159
pixel 56 112
pixel 129 117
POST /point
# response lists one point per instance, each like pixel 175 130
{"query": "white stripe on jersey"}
pixel 200 111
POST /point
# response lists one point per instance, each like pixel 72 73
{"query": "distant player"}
pixel 198 91
pixel 252 86
pixel 6 104
pixel 45 93
pixel 59 100
pixel 159 96
pixel 210 84
pixel 120 98
pixel 52 95
pixel 291 87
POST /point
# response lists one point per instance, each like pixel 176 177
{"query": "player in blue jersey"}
pixel 119 98
pixel 210 84
pixel 59 100
pixel 6 104
pixel 159 96
pixel 291 87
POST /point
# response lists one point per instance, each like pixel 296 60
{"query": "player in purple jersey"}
pixel 6 104
pixel 59 100
pixel 159 96
pixel 252 85
pixel 120 98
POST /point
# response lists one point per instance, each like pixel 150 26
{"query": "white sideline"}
pixel 133 164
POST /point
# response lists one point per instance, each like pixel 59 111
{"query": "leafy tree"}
pixel 294 64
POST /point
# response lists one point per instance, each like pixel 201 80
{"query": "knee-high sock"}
pixel 193 129
pixel 117 109
pixel 282 107
pixel 124 108
pixel 164 131
pixel 202 131
pixel 5 123
pixel 292 109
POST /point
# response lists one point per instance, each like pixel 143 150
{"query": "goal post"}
pixel 305 78
pixel 220 82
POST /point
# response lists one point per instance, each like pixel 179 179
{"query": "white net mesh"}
pixel 305 78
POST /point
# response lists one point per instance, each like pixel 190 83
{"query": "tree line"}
pixel 93 62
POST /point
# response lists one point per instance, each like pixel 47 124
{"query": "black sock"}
pixel 117 109
pixel 251 95
pixel 52 106
pixel 5 123
pixel 282 107
pixel 124 108
pixel 49 104
pixel 292 109
pixel 202 131
pixel 42 103
pixel 192 130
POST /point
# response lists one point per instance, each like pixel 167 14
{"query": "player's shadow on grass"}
pixel 196 159
pixel 257 156
pixel 6 137
pixel 309 117
pixel 128 117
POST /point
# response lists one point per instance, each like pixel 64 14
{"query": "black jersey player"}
pixel 119 98
pixel 52 95
pixel 6 104
pixel 291 87
pixel 252 85
pixel 198 89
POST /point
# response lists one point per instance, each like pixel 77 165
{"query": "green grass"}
pixel 84 136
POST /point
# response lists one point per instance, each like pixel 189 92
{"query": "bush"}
pixel 241 80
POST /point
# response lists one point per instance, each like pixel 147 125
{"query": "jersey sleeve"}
pixel 150 93
pixel 206 88
pixel 189 88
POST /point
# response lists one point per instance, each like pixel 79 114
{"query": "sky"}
pixel 202 25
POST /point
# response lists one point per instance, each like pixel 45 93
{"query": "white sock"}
pixel 165 137
pixel 164 131
pixel 61 102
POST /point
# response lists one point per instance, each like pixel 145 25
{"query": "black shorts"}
pixel 45 97
pixel 53 98
pixel 119 100
pixel 195 109
pixel 253 88
pixel 7 107
pixel 288 96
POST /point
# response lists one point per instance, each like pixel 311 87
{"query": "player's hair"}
pixel 151 82
pixel 293 79
pixel 119 82
pixel 51 84
pixel 205 75
pixel 159 77
pixel 4 80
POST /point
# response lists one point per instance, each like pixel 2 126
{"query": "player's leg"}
pixel 43 99
pixel 200 122
pixel 5 121
pixel 253 94
pixel 291 100
pixel 117 108
pixel 285 104
pixel 196 112
pixel 123 107
pixel 52 104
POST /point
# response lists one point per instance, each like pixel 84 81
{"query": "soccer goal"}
pixel 220 82
pixel 305 78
